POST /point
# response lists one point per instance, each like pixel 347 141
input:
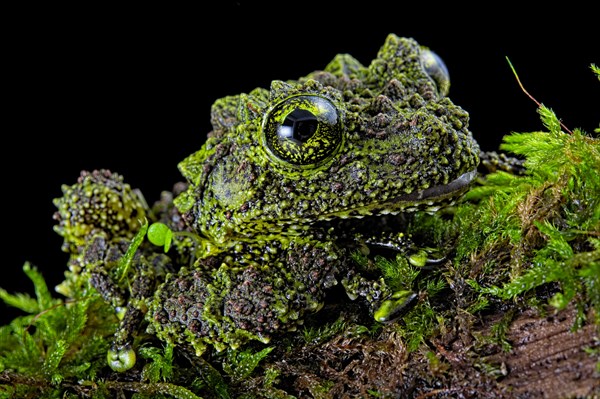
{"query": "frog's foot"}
pixel 426 257
pixel 395 306
pixel 121 358
pixel 373 291
pixel 403 243
pixel 387 306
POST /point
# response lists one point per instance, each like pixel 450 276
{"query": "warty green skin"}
pixel 382 139
pixel 399 136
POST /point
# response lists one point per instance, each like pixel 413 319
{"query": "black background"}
pixel 130 89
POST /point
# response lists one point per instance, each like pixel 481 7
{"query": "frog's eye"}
pixel 437 70
pixel 303 130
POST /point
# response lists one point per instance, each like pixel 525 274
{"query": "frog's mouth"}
pixel 430 199
pixel 440 192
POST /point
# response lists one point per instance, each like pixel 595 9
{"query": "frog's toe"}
pixel 426 257
pixel 121 358
pixel 395 306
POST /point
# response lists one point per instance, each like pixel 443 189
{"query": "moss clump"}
pixel 539 230
pixel 55 345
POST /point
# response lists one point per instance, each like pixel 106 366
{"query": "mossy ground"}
pixel 523 257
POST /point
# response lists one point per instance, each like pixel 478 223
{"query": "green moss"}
pixel 315 335
pixel 547 222
pixel 56 341
pixel 58 349
pixel 160 368
pixel 241 364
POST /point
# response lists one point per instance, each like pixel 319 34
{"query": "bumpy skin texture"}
pixel 398 136
pixel 281 169
pixel 100 203
pixel 384 135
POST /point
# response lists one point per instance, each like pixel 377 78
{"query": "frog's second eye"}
pixel 303 130
pixel 435 67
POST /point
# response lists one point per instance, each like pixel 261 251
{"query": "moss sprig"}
pixel 549 219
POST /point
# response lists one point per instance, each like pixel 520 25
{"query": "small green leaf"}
pixel 76 320
pixel 168 240
pixel 20 301
pixel 161 366
pixel 53 358
pixel 160 234
pixel 157 232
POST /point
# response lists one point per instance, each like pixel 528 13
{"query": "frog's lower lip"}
pixel 440 192
pixel 430 199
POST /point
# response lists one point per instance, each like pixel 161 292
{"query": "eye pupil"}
pixel 299 125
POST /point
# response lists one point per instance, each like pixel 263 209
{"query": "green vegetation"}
pixel 515 242
pixel 55 344
pixel 547 222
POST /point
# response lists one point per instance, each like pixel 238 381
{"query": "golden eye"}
pixel 302 130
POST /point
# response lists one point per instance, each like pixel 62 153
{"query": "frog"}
pixel 289 183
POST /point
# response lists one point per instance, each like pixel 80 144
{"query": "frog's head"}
pixel 344 142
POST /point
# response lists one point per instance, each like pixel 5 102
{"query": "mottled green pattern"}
pixel 399 136
pixel 288 182
pixel 99 203
pixel 384 132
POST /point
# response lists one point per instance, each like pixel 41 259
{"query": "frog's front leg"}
pixel 98 217
pixel 401 242
pixel 389 304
